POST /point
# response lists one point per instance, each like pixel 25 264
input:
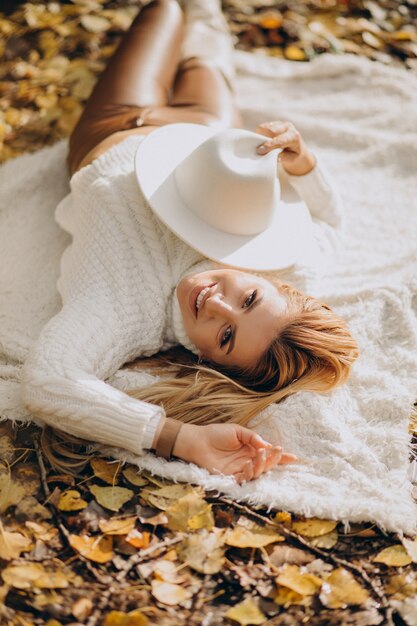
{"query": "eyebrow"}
pixel 252 306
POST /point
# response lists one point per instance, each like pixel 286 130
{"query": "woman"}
pixel 126 280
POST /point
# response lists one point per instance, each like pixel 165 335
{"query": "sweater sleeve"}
pixel 61 380
pixel 319 192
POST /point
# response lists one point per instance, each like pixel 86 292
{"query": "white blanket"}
pixel 361 117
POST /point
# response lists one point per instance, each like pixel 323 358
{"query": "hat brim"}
pixel 277 247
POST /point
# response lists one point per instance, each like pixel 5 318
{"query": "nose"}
pixel 216 305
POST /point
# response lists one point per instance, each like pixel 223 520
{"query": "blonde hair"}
pixel 313 351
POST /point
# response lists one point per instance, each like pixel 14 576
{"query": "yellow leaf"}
pixel 71 500
pixel 10 491
pixel 12 544
pixel 286 597
pixel 117 526
pixel 314 527
pixel 169 593
pixel 190 512
pixel 117 618
pixel 95 23
pixel 283 517
pixel 246 612
pixel 293 53
pixel 134 476
pixel 247 534
pixel 33 575
pixel 303 583
pixel 393 556
pixel 340 590
pixel 402 586
pixel 109 472
pixel 112 498
pixel 97 549
pixel 325 541
pixel 203 551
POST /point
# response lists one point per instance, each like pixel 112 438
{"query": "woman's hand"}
pixel 295 157
pixel 229 449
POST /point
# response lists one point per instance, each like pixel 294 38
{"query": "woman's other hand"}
pixel 295 157
pixel 229 449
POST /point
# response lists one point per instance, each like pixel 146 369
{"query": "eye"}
pixel 250 299
pixel 227 335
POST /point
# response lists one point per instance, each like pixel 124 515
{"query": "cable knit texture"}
pixel 355 438
pixel 117 285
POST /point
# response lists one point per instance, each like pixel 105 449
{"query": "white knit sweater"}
pixel 117 284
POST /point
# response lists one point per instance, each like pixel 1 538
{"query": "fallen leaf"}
pixel 314 527
pixel 109 472
pixel 134 476
pixel 325 541
pixel 393 556
pixel 71 500
pixel 340 590
pixel 117 618
pixel 12 544
pixel 97 549
pixel 246 612
pixel 34 575
pixel 248 534
pixel 191 512
pixel 112 498
pixel 203 551
pixel 402 586
pixel 117 526
pixel 303 583
pixel 169 593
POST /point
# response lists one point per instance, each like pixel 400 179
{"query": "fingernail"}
pixel 261 149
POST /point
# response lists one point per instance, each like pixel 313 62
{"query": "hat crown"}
pixel 228 185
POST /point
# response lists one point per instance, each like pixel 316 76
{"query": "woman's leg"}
pixel 139 74
pixel 200 93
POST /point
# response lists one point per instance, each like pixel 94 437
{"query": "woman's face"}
pixel 230 316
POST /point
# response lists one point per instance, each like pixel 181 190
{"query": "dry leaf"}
pixel 340 590
pixel 393 556
pixel 191 512
pixel 169 593
pixel 314 527
pixel 98 549
pixel 12 544
pixel 248 534
pixel 133 475
pixel 303 583
pixel 203 551
pixel 33 575
pixel 117 618
pixel 117 526
pixel 112 498
pixel 402 586
pixel 325 541
pixel 71 500
pixel 109 472
pixel 246 612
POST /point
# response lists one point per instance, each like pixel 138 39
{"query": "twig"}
pixel 64 531
pixel 135 559
pixel 296 538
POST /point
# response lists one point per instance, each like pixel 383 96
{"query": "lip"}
pixel 194 295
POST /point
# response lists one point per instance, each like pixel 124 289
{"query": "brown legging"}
pixel 145 86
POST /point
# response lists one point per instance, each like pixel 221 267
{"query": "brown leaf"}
pixel 98 549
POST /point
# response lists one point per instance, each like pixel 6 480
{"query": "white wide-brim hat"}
pixel 215 192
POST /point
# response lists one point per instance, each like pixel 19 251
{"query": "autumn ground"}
pixel 114 547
